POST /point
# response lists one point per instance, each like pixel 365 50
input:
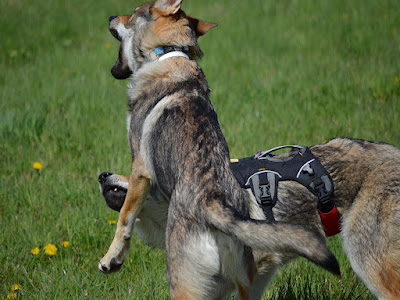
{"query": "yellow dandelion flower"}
pixel 396 79
pixel 15 287
pixel 346 16
pixel 37 165
pixel 12 296
pixel 50 249
pixel 35 251
pixel 108 45
pixel 65 244
pixel 111 222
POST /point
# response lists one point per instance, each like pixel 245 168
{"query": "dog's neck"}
pixel 171 51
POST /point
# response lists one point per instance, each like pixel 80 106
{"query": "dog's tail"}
pixel 272 237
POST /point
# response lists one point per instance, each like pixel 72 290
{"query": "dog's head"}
pixel 113 188
pixel 153 25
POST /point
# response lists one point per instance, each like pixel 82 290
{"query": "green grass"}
pixel 281 72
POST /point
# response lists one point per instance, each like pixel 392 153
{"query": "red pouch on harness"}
pixel 330 221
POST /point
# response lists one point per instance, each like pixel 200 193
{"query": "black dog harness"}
pixel 263 171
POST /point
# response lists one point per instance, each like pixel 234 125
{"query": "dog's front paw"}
pixel 115 256
pixel 108 266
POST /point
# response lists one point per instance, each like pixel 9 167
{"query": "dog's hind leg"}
pixel 138 188
pixel 192 258
pixel 204 263
pixel 197 258
pixel 267 265
pixel 371 238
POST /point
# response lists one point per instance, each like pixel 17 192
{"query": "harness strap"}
pixel 330 221
pixel 265 188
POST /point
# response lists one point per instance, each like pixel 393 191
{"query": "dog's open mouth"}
pixel 120 70
pixel 114 196
pixel 115 34
pixel 115 191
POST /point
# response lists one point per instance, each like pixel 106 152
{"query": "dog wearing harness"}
pixel 263 171
pixel 366 178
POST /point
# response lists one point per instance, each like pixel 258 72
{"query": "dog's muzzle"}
pixel 103 177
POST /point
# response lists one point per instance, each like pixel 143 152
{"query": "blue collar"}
pixel 160 51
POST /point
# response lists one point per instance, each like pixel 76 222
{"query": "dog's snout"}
pixel 111 18
pixel 103 177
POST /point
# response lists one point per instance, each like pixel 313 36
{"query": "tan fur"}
pixel 123 178
pixel 243 292
pixel 140 182
pixel 367 193
pixel 123 19
pixel 389 279
pixel 170 114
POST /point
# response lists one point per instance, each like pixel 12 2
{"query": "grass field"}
pixel 281 72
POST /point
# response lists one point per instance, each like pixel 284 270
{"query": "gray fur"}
pixel 178 149
pixel 367 193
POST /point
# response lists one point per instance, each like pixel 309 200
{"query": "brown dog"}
pixel 179 150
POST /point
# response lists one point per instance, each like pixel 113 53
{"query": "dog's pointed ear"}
pixel 168 7
pixel 200 27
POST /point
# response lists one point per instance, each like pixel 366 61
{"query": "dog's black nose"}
pixel 111 18
pixel 103 177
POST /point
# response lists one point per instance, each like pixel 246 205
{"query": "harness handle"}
pixel 263 154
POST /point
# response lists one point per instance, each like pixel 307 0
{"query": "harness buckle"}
pixel 267 201
pixel 322 192
pixel 264 187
